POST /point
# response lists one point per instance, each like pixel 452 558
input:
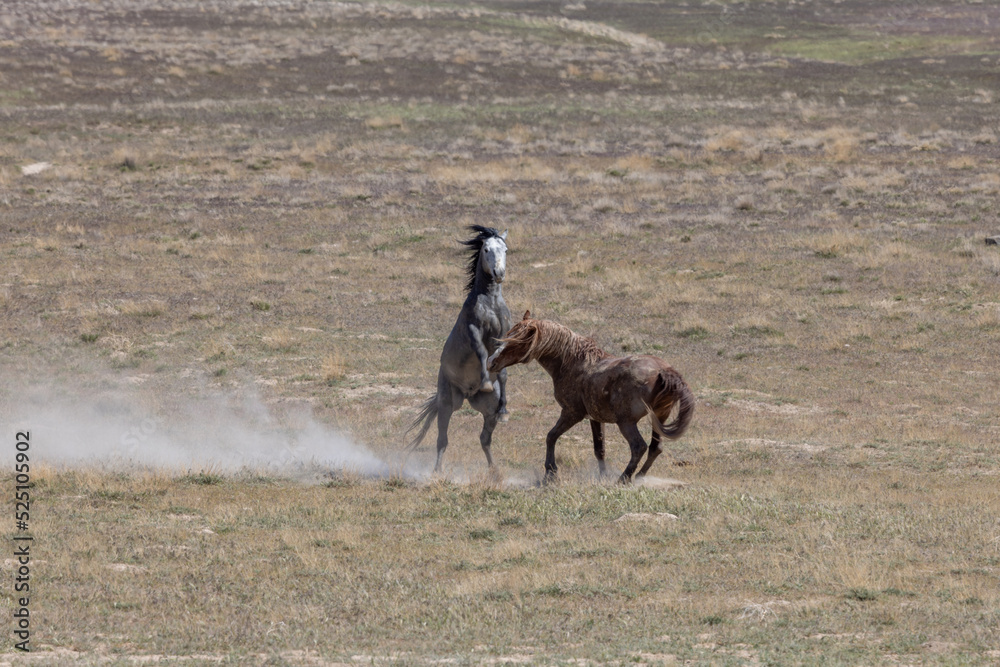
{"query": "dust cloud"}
pixel 119 427
pixel 111 424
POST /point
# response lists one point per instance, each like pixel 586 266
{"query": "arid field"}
pixel 226 224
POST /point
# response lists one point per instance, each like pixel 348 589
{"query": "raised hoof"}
pixel 486 387
pixel 504 417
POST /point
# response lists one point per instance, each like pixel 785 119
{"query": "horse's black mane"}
pixel 475 244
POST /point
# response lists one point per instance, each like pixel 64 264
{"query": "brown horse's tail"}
pixel 427 414
pixel 671 388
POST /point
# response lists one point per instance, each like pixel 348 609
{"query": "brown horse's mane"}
pixel 548 339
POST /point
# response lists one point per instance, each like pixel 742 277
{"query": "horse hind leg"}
pixel 444 418
pixel 638 446
pixel 448 401
pixel 488 404
pixel 503 414
pixel 486 437
pixel 655 449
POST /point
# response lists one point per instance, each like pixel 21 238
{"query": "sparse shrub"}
pixel 897 592
pixel 384 122
pixel 484 534
pixel 341 481
pixel 604 205
pixel 862 594
pixel 150 310
pixel 729 142
pixel 553 590
pixel 203 477
pixel 841 145
pixel 334 367
pixel 143 309
pixel 499 596
pixel 756 330
pixel 281 340
pixel 694 333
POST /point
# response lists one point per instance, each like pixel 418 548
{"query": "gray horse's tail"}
pixel 427 414
pixel 671 388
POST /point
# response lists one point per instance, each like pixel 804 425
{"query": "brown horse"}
pixel 590 383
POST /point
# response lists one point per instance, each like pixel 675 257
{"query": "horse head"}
pixel 516 347
pixel 488 255
pixel 493 257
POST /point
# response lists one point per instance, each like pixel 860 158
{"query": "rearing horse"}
pixel 590 383
pixel 463 374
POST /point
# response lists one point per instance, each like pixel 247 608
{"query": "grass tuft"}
pixel 203 478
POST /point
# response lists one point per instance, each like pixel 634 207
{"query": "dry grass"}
pixel 279 215
pixel 385 554
pixel 334 367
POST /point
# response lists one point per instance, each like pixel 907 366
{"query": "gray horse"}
pixel 463 375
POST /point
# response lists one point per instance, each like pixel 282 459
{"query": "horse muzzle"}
pixel 492 360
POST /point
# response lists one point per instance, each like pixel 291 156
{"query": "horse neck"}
pixel 552 363
pixel 559 348
pixel 485 284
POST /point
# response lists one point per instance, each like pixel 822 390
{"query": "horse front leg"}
pixel 597 428
pixel 566 422
pixel 476 338
pixel 638 446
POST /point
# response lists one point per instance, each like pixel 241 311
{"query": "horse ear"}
pixel 503 237
pixel 527 315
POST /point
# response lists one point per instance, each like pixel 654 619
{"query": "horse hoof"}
pixel 504 417
pixel 487 387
